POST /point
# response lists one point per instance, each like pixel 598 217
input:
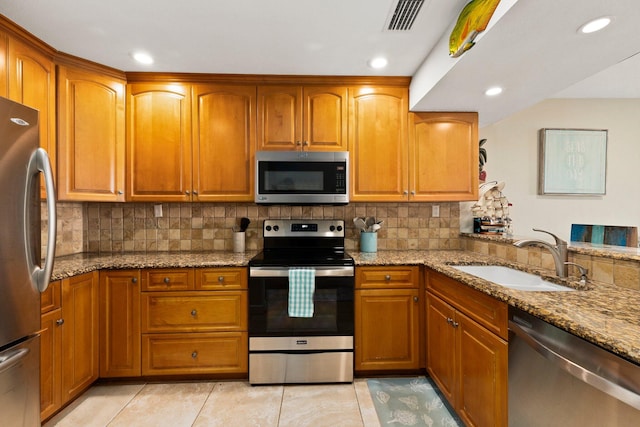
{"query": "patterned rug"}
pixel 410 402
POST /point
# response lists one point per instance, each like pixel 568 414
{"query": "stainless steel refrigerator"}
pixel 23 274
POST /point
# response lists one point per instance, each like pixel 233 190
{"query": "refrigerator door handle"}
pixel 39 163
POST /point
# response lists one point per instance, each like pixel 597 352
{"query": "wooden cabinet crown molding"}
pixel 67 60
pixel 266 79
pixel 17 32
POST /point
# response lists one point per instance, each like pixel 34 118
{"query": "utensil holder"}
pixel 238 241
pixel 368 241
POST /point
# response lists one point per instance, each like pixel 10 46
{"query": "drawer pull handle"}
pixel 60 322
pixel 387 277
pixel 220 279
pixel 194 312
pixel 194 354
pixel 167 280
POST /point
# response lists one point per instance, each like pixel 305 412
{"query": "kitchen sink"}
pixel 511 278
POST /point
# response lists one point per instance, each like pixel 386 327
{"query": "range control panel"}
pixel 303 228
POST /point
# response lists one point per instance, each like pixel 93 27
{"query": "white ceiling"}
pixel 531 48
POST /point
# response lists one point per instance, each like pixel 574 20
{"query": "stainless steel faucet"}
pixel 559 251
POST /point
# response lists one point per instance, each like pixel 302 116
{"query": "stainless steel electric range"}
pixel 318 347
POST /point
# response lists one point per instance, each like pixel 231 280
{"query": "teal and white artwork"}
pixel 573 161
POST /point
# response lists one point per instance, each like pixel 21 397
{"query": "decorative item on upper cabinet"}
pixel 473 20
pixel 482 156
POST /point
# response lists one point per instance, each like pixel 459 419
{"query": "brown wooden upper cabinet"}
pixel 224 141
pixel 158 142
pixel 91 118
pixel 190 142
pixel 378 143
pixel 302 118
pixel 31 75
pixel 443 156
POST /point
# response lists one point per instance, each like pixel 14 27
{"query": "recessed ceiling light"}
pixel 595 25
pixel 493 91
pixel 143 58
pixel 379 62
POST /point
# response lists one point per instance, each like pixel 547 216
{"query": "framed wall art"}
pixel 572 161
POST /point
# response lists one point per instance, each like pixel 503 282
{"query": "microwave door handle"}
pixel 39 163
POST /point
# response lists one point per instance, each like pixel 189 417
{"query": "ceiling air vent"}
pixel 402 17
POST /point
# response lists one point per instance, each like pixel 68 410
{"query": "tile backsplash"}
pixel 133 227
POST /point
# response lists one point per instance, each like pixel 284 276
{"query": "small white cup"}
pixel 238 241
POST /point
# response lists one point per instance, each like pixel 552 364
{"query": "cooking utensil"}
pixel 244 223
pixel 375 227
pixel 359 223
pixel 369 221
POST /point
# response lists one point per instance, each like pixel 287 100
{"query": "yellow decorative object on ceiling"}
pixel 473 20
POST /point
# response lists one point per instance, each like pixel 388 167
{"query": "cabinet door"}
pixel 4 47
pixel 444 156
pixel 223 142
pixel 386 326
pixel 79 334
pixel 50 363
pixel 119 323
pixel 91 129
pixel 378 144
pixel 482 361
pixel 441 346
pixel 325 118
pixel 279 117
pixel 32 83
pixel 158 142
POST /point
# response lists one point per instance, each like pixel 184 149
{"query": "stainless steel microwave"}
pixel 302 177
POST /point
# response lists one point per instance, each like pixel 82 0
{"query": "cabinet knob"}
pixel 194 312
pixel 120 192
pixel 134 280
pixel 221 279
pixel 195 192
pixel 449 320
pixel 187 192
pixel 387 277
pixel 405 192
pixel 194 354
pixel 455 324
pixel 166 280
pixel 413 192
pixel 298 143
pixel 415 299
pixel 60 322
pixel 306 143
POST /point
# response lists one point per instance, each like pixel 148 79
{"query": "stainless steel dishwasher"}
pixel 559 379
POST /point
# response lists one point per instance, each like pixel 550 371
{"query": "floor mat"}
pixel 410 402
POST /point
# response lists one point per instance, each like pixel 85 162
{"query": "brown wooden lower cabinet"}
pixel 387 319
pixel 69 341
pixel 119 323
pixel 194 353
pixel 466 359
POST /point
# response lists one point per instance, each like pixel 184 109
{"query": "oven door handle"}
pixel 347 271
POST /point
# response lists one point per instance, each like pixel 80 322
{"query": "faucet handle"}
pixel 558 240
pixel 583 271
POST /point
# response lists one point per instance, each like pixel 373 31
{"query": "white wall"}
pixel 512 146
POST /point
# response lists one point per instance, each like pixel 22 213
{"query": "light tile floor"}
pixel 228 403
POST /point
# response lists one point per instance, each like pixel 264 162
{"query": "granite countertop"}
pixel 601 313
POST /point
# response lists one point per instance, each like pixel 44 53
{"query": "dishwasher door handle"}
pixel 563 361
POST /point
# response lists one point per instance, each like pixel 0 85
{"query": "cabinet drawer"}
pixel 221 278
pixel 169 279
pixel 50 299
pixel 387 277
pixel 203 353
pixel 194 311
pixel 482 308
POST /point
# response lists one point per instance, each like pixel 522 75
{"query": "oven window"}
pixel 269 316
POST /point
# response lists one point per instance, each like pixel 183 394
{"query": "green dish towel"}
pixel 302 285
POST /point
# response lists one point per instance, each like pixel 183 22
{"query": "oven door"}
pixel 269 299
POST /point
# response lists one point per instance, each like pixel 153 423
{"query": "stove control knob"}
pixel 339 228
pixel 276 228
pixel 268 227
pixel 332 228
